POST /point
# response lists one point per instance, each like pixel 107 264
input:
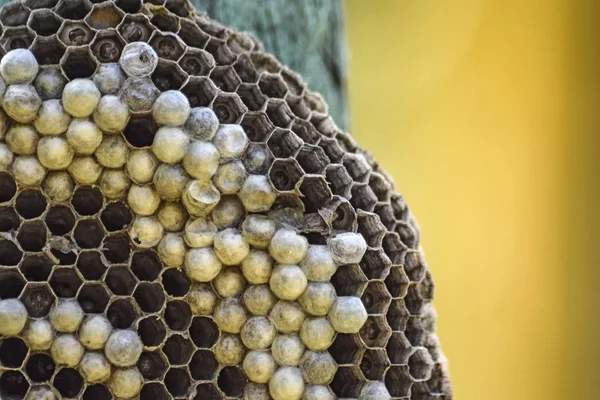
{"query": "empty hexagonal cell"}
pixel 90 265
pixel 349 280
pixel 273 85
pixel 245 69
pixel 97 392
pixel 11 283
pixel 375 332
pixel 140 131
pixel 117 248
pixel 135 28
pixel 298 105
pixel 203 365
pixel 425 288
pixel 231 381
pixel 363 197
pixel 168 75
pixel 37 299
pixel 376 298
pixel 177 381
pixel 8 187
pixel 371 228
pixel 398 349
pixel 152 365
pixel 75 33
pixel 14 14
pixel 397 315
pixel 30 204
pixel 178 7
pixel 386 214
pixel 284 143
pixel 257 126
pixel 225 78
pixel 315 192
pixel 167 45
pixel 107 46
pixel 413 300
pixel 220 51
pixel 229 108
pixel 65 282
pixel 398 381
pixel 347 382
pixel 332 148
pixel 78 62
pixel 265 63
pixel 122 313
pixel 89 233
pixel 207 391
pixel 420 364
pixel 375 264
pixel 200 91
pixel 339 179
pixel 154 391
pixel 415 332
pixel 129 6
pixel 176 282
pixel 178 315
pixel 68 382
pixel 197 62
pixel 120 281
pixel 149 296
pixel 396 251
pixel 374 364
pixel 312 159
pixel 346 349
pixel 165 22
pixel 13 352
pixel 415 266
pixel 9 220
pixel 104 15
pixel 380 186
pixel 178 350
pixel 192 35
pixel 73 9
pixel 13 385
pixel 44 22
pixel 16 38
pixel 146 265
pixel 116 217
pixel 204 332
pixel 251 96
pixel 9 253
pixel 36 268
pixel 87 200
pixel 408 235
pixel 93 298
pixel 279 113
pixel 32 236
pixel 152 331
pixel 285 174
pixel 40 368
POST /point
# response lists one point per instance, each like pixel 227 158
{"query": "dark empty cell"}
pixel 140 131
pixel 398 381
pixel 207 391
pixel 165 22
pixel 87 200
pixel 285 174
pixel 65 282
pixel 30 204
pixel 79 63
pixel 37 299
pixel 32 236
pixel 346 349
pixel 93 298
pixel 231 381
pixel 122 313
pixel 178 315
pixel 60 220
pixel 152 331
pixel 44 22
pixel 120 281
pixel 149 296
pixel 13 352
pixel 90 265
pixel 11 283
pixel 117 248
pixel 376 298
pixel 129 6
pixel 176 282
pixel 374 364
pixel 199 91
pixel 178 350
pixel 17 38
pixel 152 365
pixel 73 9
pixel 97 392
pixel 177 381
pixel 9 253
pixel 48 50
pixel 279 113
pixel 36 268
pixel 13 385
pixel 116 217
pixel 40 367
pixel 347 382
pixel 168 75
pixel 398 348
pixel 89 233
pixel 203 365
pixel 348 280
pixel 154 391
pixel 64 257
pixel 68 382
pixel 375 332
pixel 146 265
pixel 204 332
pixel 8 187
pixel 9 220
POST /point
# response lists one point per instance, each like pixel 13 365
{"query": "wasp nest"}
pixel 180 219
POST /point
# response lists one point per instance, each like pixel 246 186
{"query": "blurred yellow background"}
pixel 487 115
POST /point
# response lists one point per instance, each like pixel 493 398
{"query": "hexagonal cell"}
pixel 116 217
pixel 154 391
pixel 146 265
pixel 152 365
pixel 178 7
pixel 197 62
pixel 375 332
pixel 398 349
pixel 75 33
pixel 376 298
pixel 220 51
pixel 192 35
pixel 257 126
pixel 178 350
pixel 349 280
pixel 347 382
pixel 65 282
pixel 177 381
pixel 87 200
pixel 88 233
pixel 120 281
pixel 285 174
pixel 165 22
pixel 9 220
pixel 97 392
pixel 13 352
pixel 129 6
pixel 415 332
pixel 339 180
pixel 37 299
pixel 200 91
pixel 152 331
pixel 167 45
pixel 14 14
pixel 346 349
pixel 272 85
pixel 8 187
pixel 9 253
pixel 312 159
pixel 245 69
pixel 135 28
pixel 231 381
pixel 93 298
pixel 315 192
pixel 413 301
pixel 168 75
pixel 149 296
pixel 371 228
pixel 78 62
pixel 203 365
pixel 60 220
pixel 398 381
pixel 264 62
pixel 357 166
pixel 11 283
pixel 68 382
pixel 363 197
pixel 40 368
pixel 104 15
pixel 30 204
pixel 117 248
pixel 229 108
pixel 251 96
pixel 122 313
pixel 204 332
pixel 408 235
pixel 16 38
pixel 225 78
pixel 284 143
pixel 107 46
pixel 13 385
pixel 298 105
pixel 207 391
pixel 44 22
pixel 73 9
pixel 380 186
pixel 35 4
pixel 374 364
pixel 140 131
pixel 36 268
pixel 178 315
pixel 397 282
pixel 90 265
pixel 32 236
pixel 420 364
pixel 375 264
pixel 64 256
pixel 176 282
pixel 279 113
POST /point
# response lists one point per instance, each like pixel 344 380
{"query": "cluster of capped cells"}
pixel 180 219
